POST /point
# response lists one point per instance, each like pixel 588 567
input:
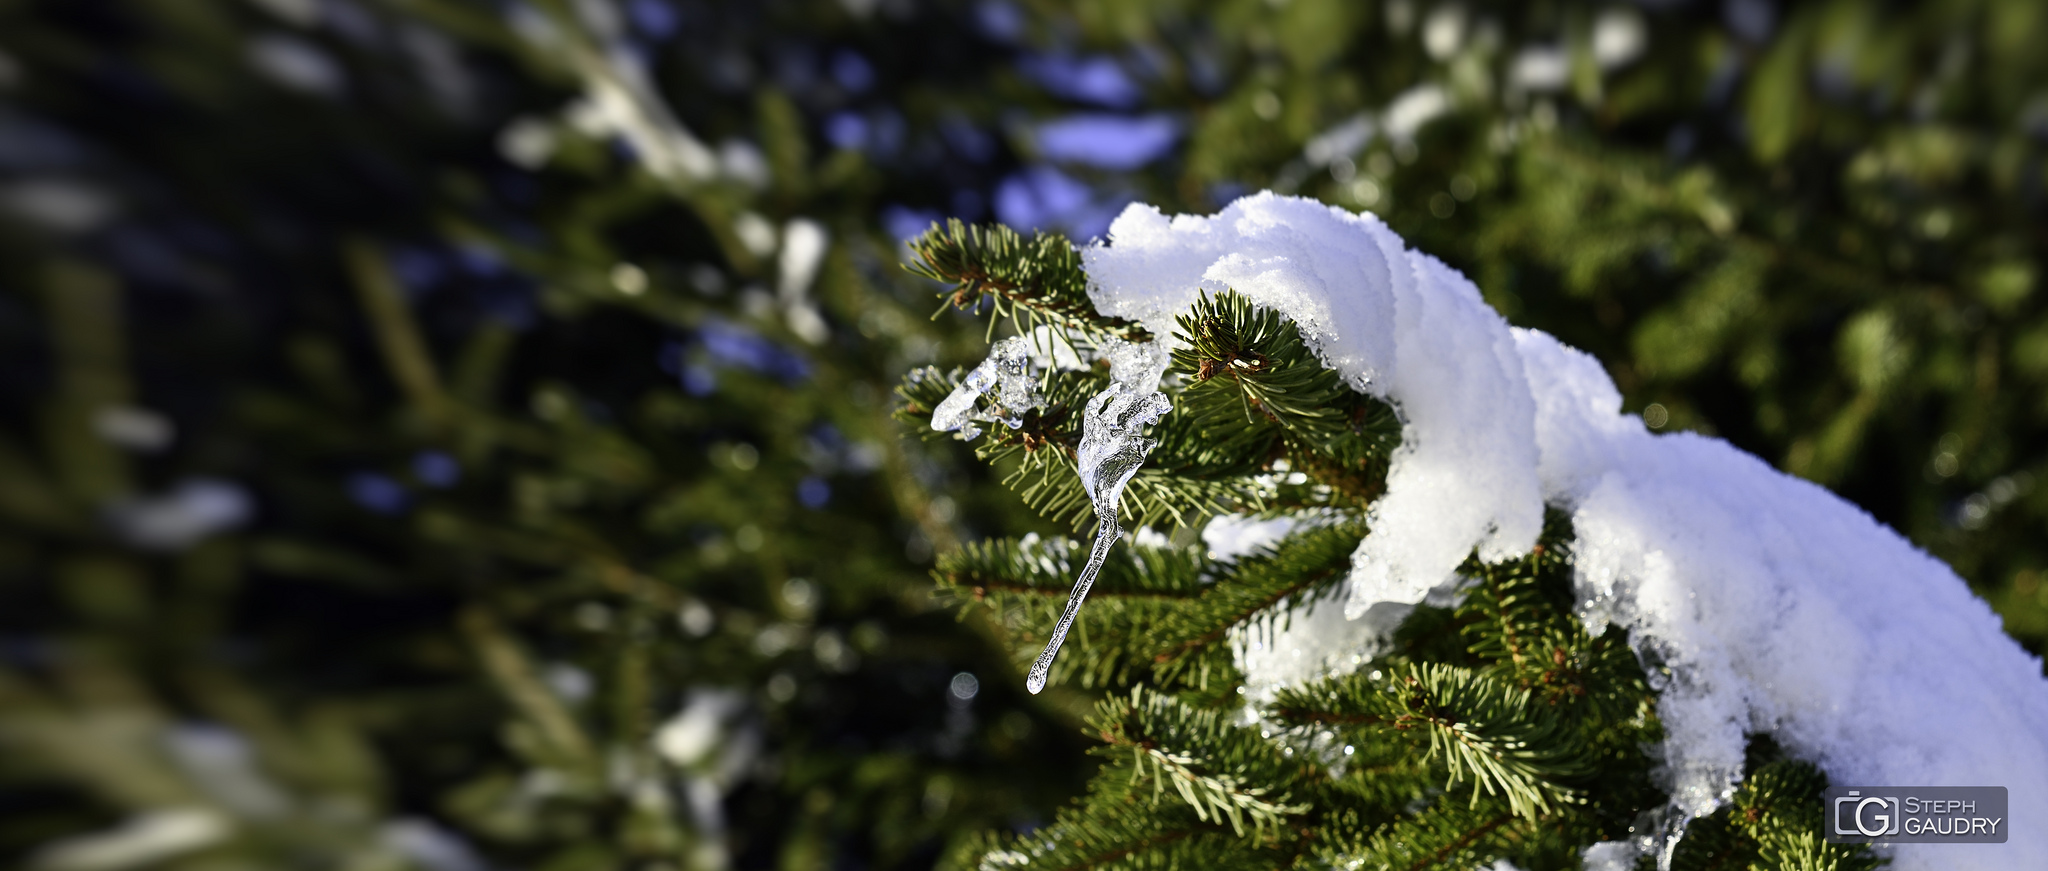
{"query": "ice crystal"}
pixel 1113 446
pixel 1007 373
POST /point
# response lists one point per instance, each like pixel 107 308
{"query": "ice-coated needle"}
pixel 1113 446
pixel 1105 538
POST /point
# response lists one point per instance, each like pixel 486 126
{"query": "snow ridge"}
pixel 1777 606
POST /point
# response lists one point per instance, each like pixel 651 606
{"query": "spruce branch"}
pixel 1184 480
pixel 1482 729
pixel 1025 583
pixel 1127 838
pixel 1773 821
pixel 1303 567
pixel 1506 691
pixel 1045 568
pixel 1255 387
pixel 1121 823
pixel 1517 620
pixel 1116 851
pixel 1165 609
pixel 1446 838
pixel 1032 281
pixel 1491 735
pixel 1217 782
pixel 1213 796
pixel 398 334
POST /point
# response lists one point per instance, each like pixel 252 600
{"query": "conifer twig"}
pixel 1034 281
pixel 398 335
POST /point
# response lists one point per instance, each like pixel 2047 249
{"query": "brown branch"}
pixel 1462 842
pixel 980 585
pixel 1327 717
pixel 1308 580
pixel 1101 859
pixel 1507 624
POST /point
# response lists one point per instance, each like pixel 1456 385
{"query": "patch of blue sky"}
pixel 847 131
pixel 378 493
pixel 418 268
pixel 1108 141
pixel 967 140
pixel 813 492
pixel 733 345
pixel 657 19
pixel 1096 79
pixel 999 20
pixel 436 469
pixel 880 132
pixel 698 380
pixel 1042 197
pixel 968 204
pixel 904 223
pixel 479 260
pixel 852 71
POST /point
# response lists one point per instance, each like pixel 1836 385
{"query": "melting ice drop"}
pixel 1007 371
pixel 1113 446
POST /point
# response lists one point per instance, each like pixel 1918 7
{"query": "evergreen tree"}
pixel 1809 228
pixel 1493 727
pixel 434 439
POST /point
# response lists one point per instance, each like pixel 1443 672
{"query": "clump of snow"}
pixel 193 511
pixel 144 839
pixel 1396 324
pixel 1610 856
pixel 1230 536
pixel 804 243
pixel 1309 641
pixel 1306 640
pixel 1053 348
pixel 1775 606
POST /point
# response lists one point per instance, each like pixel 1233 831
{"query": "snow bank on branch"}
pixel 1398 325
pixel 1778 607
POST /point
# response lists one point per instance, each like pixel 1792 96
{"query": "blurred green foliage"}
pixel 447 437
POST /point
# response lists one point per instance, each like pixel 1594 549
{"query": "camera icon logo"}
pixel 1870 816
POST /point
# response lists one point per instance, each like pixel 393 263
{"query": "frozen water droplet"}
pixel 1006 372
pixel 1113 446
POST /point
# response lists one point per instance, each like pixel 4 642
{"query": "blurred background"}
pixel 453 434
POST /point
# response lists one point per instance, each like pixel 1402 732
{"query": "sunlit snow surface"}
pixel 1777 606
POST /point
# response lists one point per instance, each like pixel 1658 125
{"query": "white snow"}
pixel 1348 283
pixel 1311 639
pixel 142 840
pixel 804 243
pixel 1777 606
pixel 1234 535
pixel 134 428
pixel 191 512
pixel 1610 856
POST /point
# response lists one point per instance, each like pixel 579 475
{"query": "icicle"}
pixel 1113 446
pixel 1007 371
